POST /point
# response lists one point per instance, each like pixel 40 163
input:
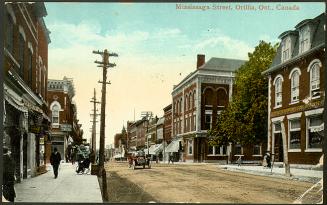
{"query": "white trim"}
pixel 294 150
pixel 294 115
pixel 256 155
pixel 314 112
pixel 239 155
pixel 277 106
pixel 277 119
pixel 313 150
pixel 313 62
pixel 294 69
pixel 278 76
pixel 21 31
pixel 298 117
pixel 221 88
pixel 294 102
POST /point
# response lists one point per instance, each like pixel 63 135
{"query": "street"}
pixel 203 183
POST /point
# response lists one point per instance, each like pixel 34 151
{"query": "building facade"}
pixel 296 94
pixel 196 102
pixel 167 123
pixel 65 130
pixel 26 121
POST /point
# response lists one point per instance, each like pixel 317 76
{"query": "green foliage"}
pixel 245 119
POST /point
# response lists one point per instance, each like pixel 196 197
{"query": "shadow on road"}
pixel 124 191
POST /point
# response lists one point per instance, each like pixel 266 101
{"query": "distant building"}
pixel 65 129
pixel 167 123
pixel 26 121
pixel 297 94
pixel 196 102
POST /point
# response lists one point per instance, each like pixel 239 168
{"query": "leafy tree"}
pixel 244 121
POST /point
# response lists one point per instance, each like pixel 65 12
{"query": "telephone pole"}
pixel 105 65
pixel 94 101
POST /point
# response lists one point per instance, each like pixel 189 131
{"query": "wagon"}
pixel 138 159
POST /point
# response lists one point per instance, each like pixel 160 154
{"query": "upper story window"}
pixel 9 34
pixel 278 91
pixel 21 55
pixel 295 82
pixel 286 49
pixel 186 102
pixel 208 119
pixel 315 78
pixel 304 39
pixel 55 114
pixel 30 71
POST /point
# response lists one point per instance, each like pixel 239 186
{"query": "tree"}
pixel 244 121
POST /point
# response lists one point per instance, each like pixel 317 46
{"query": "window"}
pixel 304 39
pixel 9 34
pixel 315 132
pixel 278 92
pixel 190 147
pixel 186 102
pixel 194 122
pixel 21 55
pixel 191 100
pixel 29 71
pixel 315 80
pixel 256 150
pixel 295 134
pixel 55 114
pixel 211 150
pixel 295 86
pixel 186 124
pixel 238 149
pixel 208 119
pixel 286 49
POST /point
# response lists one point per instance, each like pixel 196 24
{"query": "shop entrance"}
pixel 279 153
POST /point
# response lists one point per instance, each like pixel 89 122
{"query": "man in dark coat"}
pixel 55 159
pixel 8 176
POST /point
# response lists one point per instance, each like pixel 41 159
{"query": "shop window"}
pixel 315 132
pixel 190 147
pixel 238 149
pixel 295 134
pixel 256 150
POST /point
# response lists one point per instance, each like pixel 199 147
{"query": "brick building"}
pixel 65 130
pixel 196 102
pixel 167 123
pixel 26 121
pixel 296 93
pixel 136 135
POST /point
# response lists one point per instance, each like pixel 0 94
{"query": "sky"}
pixel 157 46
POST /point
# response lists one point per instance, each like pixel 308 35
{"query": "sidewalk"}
pixel 300 174
pixel 68 187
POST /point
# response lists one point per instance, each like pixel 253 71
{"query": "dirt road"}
pixel 197 183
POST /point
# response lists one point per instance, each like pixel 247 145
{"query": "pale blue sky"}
pixel 157 45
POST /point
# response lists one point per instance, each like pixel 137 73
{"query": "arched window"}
pixel 315 80
pixel 295 86
pixel 278 91
pixel 55 114
pixel 186 102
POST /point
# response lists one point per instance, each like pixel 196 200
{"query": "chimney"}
pixel 200 61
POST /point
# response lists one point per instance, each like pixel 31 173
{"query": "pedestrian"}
pixel 239 161
pixel 55 159
pixel 8 176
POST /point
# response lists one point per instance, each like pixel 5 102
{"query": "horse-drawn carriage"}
pixel 138 159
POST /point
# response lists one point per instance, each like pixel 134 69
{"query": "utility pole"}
pixel 105 65
pixel 94 101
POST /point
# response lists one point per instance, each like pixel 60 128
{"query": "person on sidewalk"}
pixel 55 159
pixel 8 176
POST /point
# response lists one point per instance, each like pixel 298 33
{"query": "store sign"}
pixel 297 109
pixel 66 127
pixel 35 129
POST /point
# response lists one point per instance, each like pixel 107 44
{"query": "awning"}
pixel 173 146
pixel 15 103
pixel 317 128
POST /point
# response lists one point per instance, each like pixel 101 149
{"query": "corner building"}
pixel 296 93
pixel 196 102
